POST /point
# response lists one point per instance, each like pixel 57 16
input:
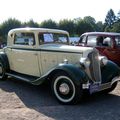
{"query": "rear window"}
pixel 24 38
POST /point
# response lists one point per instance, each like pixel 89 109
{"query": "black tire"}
pixel 110 89
pixel 2 72
pixel 65 89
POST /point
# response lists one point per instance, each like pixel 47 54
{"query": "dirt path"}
pixel 22 101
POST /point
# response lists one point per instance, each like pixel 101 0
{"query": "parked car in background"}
pixel 38 55
pixel 107 43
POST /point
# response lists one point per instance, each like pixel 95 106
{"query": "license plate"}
pixel 94 88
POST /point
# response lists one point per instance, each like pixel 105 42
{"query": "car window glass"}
pixel 107 41
pixel 52 38
pixel 91 40
pixel 82 39
pixel 24 39
pixel 48 37
pixel 117 39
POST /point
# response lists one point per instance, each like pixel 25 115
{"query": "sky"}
pixel 40 10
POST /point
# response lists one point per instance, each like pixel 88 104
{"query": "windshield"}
pixel 53 38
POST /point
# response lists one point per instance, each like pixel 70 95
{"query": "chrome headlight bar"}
pixel 85 62
pixel 103 60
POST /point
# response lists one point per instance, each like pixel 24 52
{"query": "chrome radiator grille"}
pixel 94 67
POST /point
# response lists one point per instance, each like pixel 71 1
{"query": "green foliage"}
pixel 90 20
pixel 67 25
pixel 99 26
pixel 49 24
pixel 30 23
pixel 83 26
pixel 112 22
pixel 8 25
pixel 116 27
pixel 110 19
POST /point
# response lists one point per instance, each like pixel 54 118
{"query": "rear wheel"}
pixel 2 72
pixel 65 89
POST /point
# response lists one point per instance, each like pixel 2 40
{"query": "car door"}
pixel 24 57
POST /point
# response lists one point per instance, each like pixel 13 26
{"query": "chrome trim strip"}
pixel 115 79
pixel 105 86
pixel 18 77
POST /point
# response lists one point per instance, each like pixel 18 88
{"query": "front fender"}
pixel 76 73
pixel 109 71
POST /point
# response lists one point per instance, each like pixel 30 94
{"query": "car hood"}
pixel 65 48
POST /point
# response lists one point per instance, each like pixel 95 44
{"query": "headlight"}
pixel 103 60
pixel 85 62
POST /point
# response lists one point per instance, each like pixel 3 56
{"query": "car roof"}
pixel 37 30
pixel 102 33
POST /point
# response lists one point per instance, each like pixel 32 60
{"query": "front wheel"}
pixel 65 89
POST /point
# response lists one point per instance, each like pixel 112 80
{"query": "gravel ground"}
pixel 22 101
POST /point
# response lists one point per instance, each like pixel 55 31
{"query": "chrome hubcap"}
pixel 64 89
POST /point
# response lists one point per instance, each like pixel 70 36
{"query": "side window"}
pixel 92 40
pixel 24 39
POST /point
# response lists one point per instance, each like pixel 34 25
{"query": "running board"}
pixel 22 77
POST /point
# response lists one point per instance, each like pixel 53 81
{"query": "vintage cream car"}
pixel 38 55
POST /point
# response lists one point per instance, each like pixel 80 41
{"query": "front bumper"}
pixel 96 87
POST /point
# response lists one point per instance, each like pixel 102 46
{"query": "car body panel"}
pixel 33 59
pixel 110 50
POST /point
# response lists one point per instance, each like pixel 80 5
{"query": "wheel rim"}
pixel 64 89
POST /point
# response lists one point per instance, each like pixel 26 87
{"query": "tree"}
pixel 30 23
pixel 115 27
pixel 8 25
pixel 110 18
pixel 49 24
pixel 118 17
pixel 90 20
pixel 99 26
pixel 67 25
pixel 82 27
